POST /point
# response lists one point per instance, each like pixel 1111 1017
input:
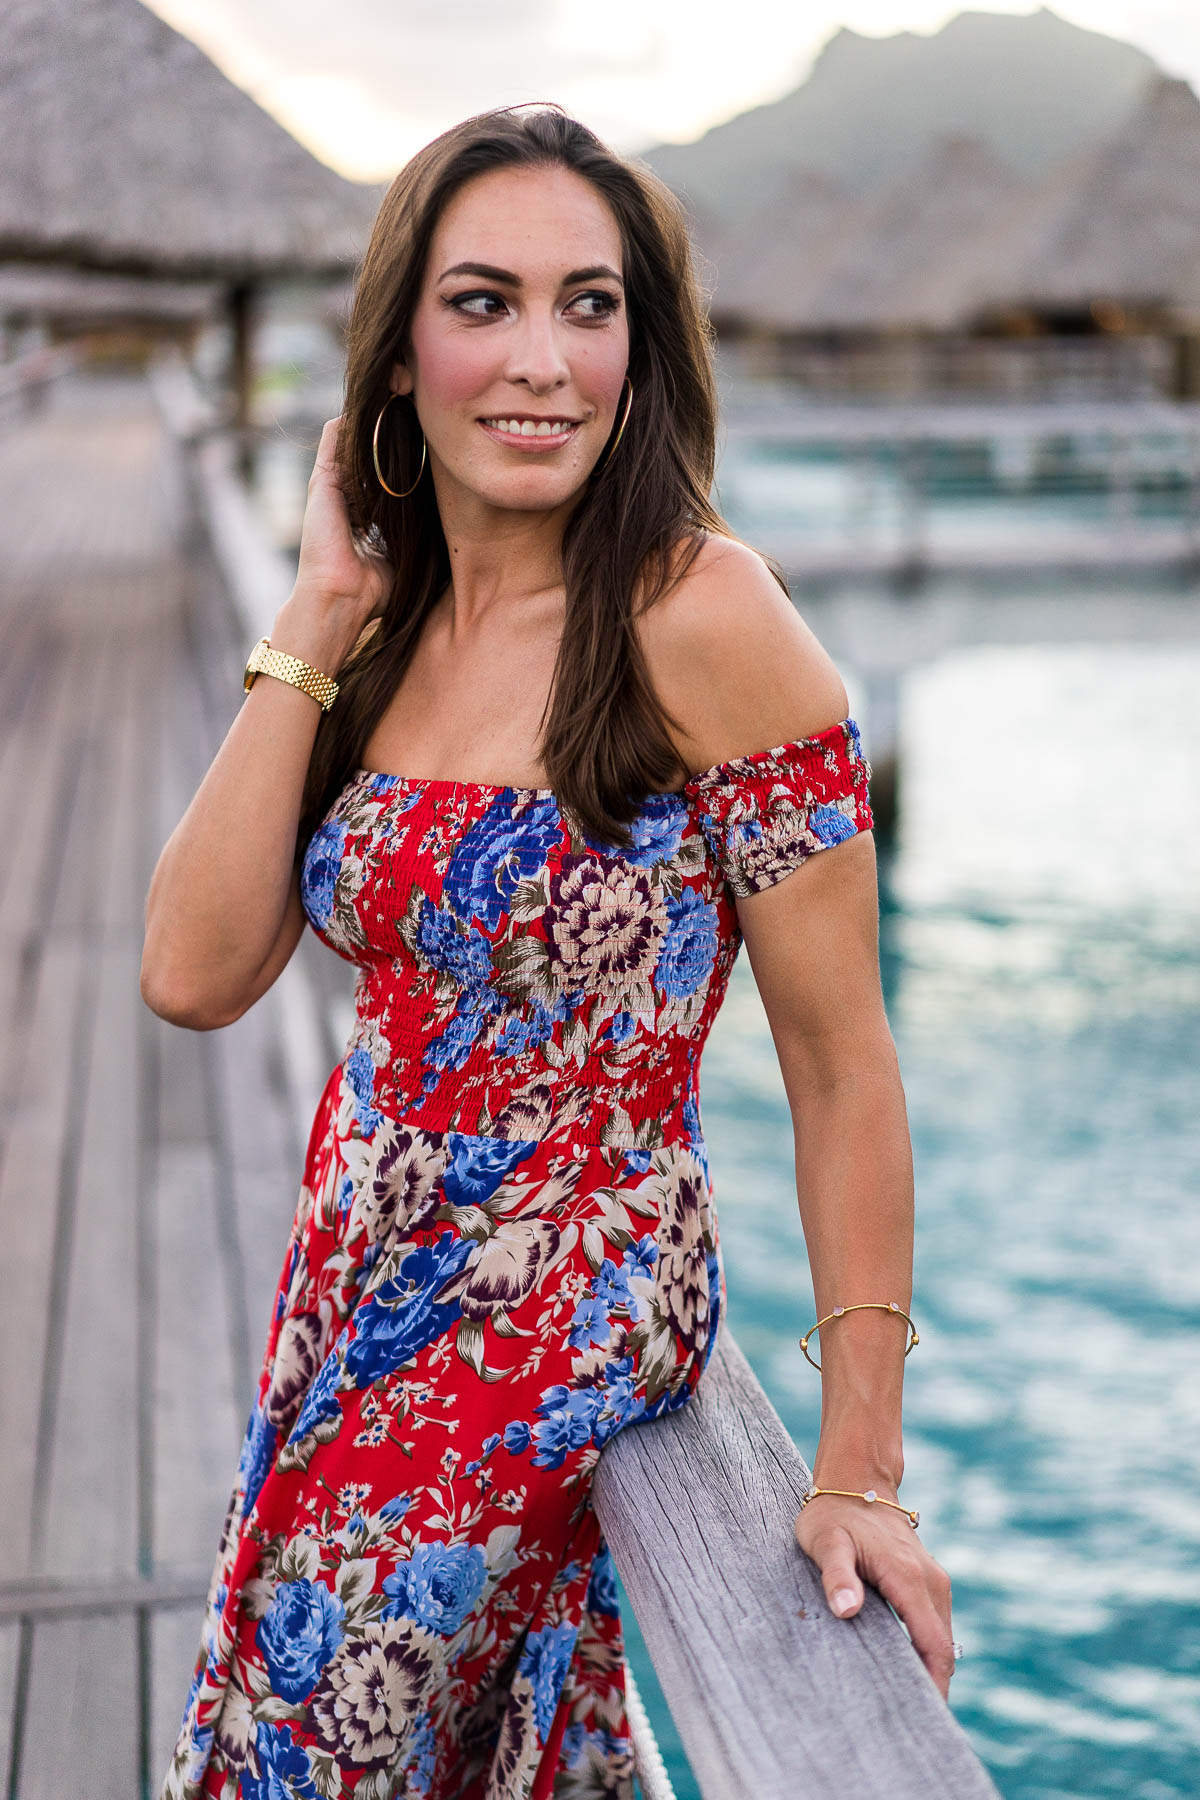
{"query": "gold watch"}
pixel 265 661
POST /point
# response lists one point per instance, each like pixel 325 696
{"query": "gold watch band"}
pixel 293 669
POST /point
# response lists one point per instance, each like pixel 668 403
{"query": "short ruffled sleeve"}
pixel 763 814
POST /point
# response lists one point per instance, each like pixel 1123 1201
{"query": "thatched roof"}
pixel 81 297
pixel 123 147
pixel 763 271
pixel 880 275
pixel 1132 230
pixel 834 262
pixel 961 236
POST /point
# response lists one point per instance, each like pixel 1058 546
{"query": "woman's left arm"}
pixel 812 940
pixel 739 669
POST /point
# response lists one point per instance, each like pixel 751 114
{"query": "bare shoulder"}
pixel 733 661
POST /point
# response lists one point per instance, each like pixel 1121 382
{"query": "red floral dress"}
pixel 505 1251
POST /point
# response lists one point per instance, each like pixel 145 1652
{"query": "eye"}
pixel 460 303
pixel 608 303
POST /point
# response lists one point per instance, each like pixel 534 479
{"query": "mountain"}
pixel 1032 89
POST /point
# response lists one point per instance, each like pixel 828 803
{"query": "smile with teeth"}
pixel 530 428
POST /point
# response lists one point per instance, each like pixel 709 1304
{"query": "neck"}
pixel 499 555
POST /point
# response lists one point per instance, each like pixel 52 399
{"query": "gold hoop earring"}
pixel 620 428
pixel 397 493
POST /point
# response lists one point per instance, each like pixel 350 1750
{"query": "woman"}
pixel 580 745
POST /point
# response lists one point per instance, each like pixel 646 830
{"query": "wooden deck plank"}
pixel 199 1414
pixel 29 1198
pixel 81 1729
pixel 89 1508
pixel 88 1519
pixel 10 1646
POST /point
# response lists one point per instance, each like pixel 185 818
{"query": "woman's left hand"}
pixel 851 1540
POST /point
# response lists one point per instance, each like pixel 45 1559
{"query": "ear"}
pixel 401 381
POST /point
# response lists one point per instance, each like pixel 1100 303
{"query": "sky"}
pixel 365 83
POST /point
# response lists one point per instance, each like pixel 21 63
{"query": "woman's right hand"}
pixel 334 574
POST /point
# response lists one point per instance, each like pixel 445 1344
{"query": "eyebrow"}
pixel 490 273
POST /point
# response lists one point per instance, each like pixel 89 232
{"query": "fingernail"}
pixel 844 1599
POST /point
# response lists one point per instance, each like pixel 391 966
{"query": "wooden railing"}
pixel 24 382
pixel 774 1697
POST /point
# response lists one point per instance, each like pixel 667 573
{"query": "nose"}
pixel 537 353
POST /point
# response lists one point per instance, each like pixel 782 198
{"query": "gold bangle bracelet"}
pixel 886 1305
pixel 263 660
pixel 911 1514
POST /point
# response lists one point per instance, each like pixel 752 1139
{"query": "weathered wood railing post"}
pixel 774 1697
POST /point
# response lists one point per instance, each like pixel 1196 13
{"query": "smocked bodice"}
pixel 517 979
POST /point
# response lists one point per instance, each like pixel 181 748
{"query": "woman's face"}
pixel 519 340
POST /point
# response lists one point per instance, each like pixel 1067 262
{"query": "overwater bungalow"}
pixel 963 274
pixel 142 192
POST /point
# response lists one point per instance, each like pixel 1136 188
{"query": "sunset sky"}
pixel 367 82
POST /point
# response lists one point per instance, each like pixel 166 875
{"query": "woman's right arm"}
pixel 223 912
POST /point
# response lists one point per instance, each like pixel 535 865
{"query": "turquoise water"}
pixel 1041 958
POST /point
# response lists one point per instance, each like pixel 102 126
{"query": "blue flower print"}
pixel 574 1738
pixel 610 1284
pixel 589 1324
pixel 656 832
pixel 691 1117
pixel 740 832
pixel 452 1048
pixel 360 1076
pixel 258 1450
pixel 401 1317
pixel 298 1634
pixel 621 1027
pixel 321 1401
pixel 689 949
pixel 395 1508
pixel 485 1450
pixel 284 1771
pixel 621 1402
pixel 602 1587
pixel 637 1162
pixel 516 1436
pixel 669 1401
pixel 545 1659
pixel 437 1587
pixel 640 1258
pixel 478 1165
pixel 568 1419
pixel 422 1758
pixel 503 847
pixel 319 870
pixel 465 954
pixel 519 1035
pixel 713 1265
pixel 830 825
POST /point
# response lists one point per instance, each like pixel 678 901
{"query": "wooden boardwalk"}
pixel 148 1172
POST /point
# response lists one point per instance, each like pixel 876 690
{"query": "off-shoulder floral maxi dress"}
pixel 505 1251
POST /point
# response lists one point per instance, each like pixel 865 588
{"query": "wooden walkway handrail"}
pixel 774 1696
pixel 28 376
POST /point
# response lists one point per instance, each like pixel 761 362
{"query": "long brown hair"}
pixel 639 519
